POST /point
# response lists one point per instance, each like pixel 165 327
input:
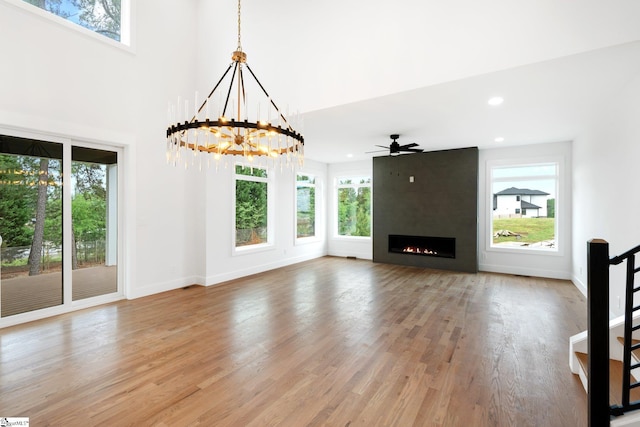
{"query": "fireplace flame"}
pixel 419 250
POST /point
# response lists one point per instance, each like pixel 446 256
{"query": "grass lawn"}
pixel 531 230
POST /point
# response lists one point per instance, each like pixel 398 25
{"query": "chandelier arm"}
pixel 244 95
pixel 233 77
pixel 269 98
pixel 214 89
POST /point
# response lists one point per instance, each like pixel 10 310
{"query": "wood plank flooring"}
pixel 331 341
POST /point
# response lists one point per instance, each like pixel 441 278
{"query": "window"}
pixel 528 221
pixel 103 17
pixel 305 206
pixel 354 206
pixel 251 206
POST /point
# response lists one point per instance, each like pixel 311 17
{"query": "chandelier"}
pixel 235 130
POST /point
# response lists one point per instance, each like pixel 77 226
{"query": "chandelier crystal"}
pixel 236 131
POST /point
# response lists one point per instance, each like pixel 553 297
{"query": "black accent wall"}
pixel 442 201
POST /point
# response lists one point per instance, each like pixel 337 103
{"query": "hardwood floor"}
pixel 332 341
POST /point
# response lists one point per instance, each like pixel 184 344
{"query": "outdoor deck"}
pixel 28 293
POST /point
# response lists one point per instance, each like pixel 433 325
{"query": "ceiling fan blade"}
pixel 413 144
pixel 383 146
pixel 376 151
pixel 412 150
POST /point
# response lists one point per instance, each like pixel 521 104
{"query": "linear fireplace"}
pixel 425 194
pixel 444 247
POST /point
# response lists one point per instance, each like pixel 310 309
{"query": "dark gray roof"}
pixel 527 205
pixel 513 191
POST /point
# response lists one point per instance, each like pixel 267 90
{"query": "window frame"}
pixel 559 162
pixel 127 8
pixel 315 186
pixel 269 181
pixel 337 187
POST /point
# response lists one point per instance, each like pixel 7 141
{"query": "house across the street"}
pixel 520 202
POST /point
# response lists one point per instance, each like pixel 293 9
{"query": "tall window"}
pixel 100 16
pixel 252 206
pixel 305 206
pixel 524 206
pixel 354 206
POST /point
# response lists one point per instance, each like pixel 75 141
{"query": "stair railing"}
pixel 598 263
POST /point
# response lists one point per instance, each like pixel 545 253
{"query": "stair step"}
pixel 636 352
pixel 615 375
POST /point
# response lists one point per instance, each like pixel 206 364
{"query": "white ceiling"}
pixel 361 70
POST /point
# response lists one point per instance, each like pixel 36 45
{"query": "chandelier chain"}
pixel 239 43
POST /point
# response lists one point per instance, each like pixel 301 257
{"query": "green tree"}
pixel 251 207
pixel 551 208
pixel 88 205
pixel 16 202
pixel 363 213
pixel 347 210
pixel 354 209
pixel 100 16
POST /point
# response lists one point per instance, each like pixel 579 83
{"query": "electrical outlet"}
pixel 618 301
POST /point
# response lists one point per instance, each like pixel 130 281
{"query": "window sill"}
pixel 252 249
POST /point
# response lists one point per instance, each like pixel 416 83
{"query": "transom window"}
pixel 104 17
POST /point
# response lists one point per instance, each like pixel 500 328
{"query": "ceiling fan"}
pixel 396 148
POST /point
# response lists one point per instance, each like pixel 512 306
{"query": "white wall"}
pixel 359 247
pixel 533 263
pixel 605 164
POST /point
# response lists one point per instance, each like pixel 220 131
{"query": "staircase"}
pixel 579 360
pixel 606 357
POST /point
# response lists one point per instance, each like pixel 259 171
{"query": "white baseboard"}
pixel 578 284
pixel 170 285
pixel 231 275
pixel 347 254
pixel 523 271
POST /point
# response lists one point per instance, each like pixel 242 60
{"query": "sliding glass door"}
pixel 94 218
pixel 56 246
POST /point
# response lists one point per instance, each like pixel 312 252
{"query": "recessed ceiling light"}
pixel 499 139
pixel 496 100
pixel 349 155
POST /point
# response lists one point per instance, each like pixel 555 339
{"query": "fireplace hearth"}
pixel 443 247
